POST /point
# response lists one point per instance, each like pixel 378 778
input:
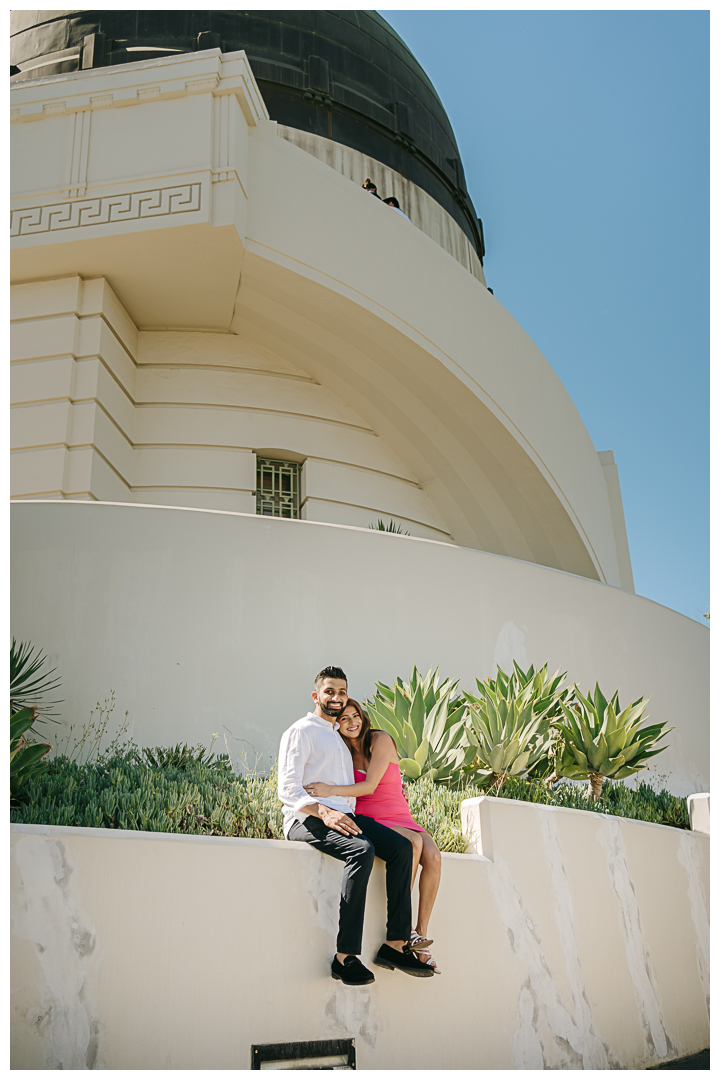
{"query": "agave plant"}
pixel 546 688
pixel 602 741
pixel 427 721
pixel 546 693
pixel 25 756
pixel 510 731
pixel 391 527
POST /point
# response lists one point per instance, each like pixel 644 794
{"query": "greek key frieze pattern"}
pixel 132 206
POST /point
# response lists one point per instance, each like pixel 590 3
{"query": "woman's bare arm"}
pixel 383 752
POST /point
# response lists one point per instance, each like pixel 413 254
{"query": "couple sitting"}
pixel 355 817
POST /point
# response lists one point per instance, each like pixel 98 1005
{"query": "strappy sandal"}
pixel 426 958
pixel 417 942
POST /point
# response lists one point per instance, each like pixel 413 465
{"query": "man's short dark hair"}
pixel 330 673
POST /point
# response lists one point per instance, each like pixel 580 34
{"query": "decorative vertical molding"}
pixel 77 183
pixel 216 124
pixel 223 164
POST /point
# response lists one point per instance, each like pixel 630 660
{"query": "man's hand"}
pixel 334 819
pixel 320 789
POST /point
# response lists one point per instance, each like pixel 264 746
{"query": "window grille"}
pixel 278 488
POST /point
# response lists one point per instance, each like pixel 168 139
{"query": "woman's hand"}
pixel 319 789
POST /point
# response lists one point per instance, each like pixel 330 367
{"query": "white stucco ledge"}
pixel 189 838
pixel 136 950
pixel 476 819
pixel 699 810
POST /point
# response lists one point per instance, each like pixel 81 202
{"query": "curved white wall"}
pixel 459 368
pixel 203 621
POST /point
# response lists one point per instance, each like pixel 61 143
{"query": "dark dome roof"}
pixel 345 75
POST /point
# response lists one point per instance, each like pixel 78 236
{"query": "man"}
pixel 312 750
pixel 392 201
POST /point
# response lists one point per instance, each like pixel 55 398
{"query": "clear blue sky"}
pixel 585 141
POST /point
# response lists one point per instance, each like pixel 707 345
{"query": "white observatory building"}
pixel 229 360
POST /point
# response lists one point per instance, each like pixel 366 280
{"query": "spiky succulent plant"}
pixel 546 692
pixel 27 687
pixel 28 684
pixel 510 731
pixel 602 741
pixel 427 721
pixel 546 688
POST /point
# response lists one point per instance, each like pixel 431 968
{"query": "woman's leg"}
pixel 431 863
pixel 415 839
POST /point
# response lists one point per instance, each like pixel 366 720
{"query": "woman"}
pixel 379 793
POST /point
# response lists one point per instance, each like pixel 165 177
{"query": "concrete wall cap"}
pixel 699 811
pixel 540 808
pixel 57 831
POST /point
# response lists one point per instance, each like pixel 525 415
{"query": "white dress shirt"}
pixel 312 749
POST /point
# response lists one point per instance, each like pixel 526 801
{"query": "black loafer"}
pixel 388 957
pixel 352 972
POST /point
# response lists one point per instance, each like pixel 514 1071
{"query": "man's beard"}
pixel 332 710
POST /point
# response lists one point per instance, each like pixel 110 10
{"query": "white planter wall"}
pixel 579 942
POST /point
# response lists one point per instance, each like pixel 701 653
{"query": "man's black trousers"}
pixel 358 853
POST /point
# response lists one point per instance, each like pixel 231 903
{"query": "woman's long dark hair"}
pixel 364 739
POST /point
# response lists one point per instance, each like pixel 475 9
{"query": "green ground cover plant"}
pixel 125 792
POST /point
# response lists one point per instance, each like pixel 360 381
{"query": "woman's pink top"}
pixel 387 803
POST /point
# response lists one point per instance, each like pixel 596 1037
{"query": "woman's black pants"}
pixel 358 853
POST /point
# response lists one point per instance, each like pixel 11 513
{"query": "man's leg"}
pixel 397 853
pixel 358 854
